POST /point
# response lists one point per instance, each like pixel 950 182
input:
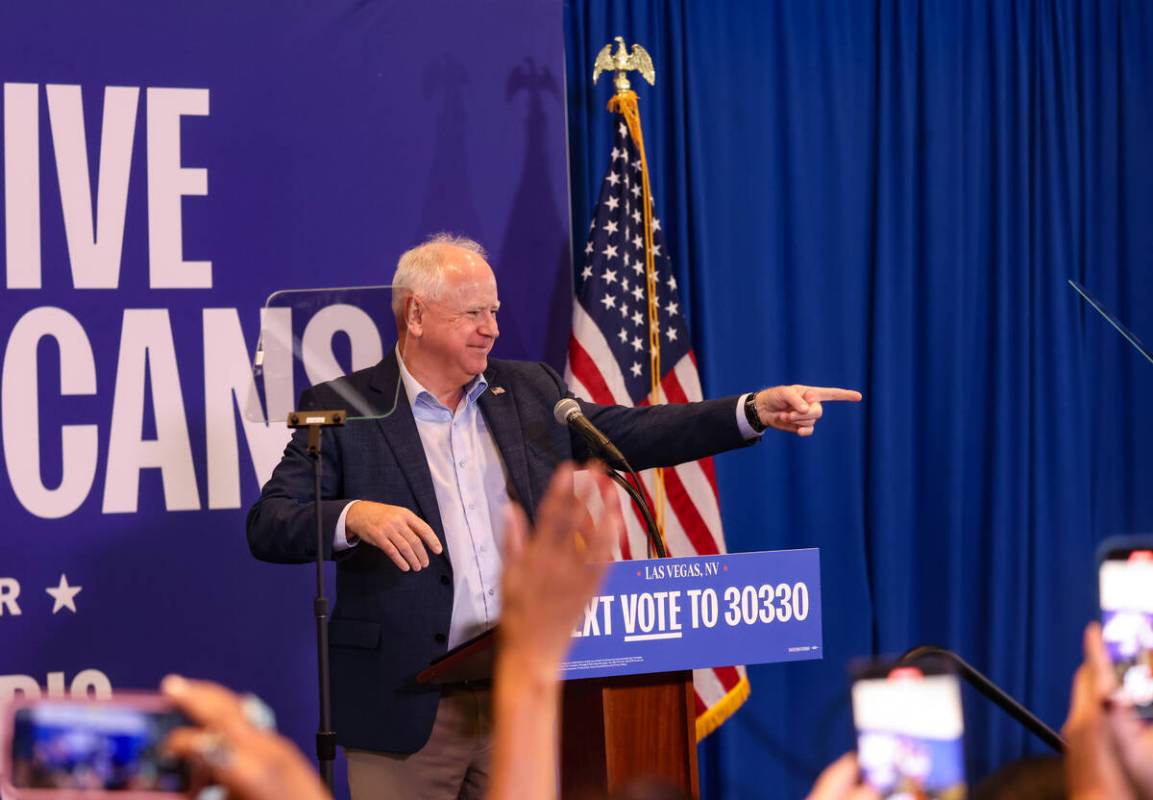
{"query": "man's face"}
pixel 458 328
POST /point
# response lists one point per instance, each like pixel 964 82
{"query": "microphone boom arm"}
pixel 992 691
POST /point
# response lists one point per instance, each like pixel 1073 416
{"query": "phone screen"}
pixel 909 732
pixel 97 746
pixel 1126 578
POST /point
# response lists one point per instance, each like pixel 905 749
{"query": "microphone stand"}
pixel 992 691
pixel 315 422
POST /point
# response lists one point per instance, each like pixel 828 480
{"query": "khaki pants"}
pixel 452 765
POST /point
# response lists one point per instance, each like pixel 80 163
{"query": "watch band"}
pixel 751 414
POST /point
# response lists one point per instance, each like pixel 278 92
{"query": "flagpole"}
pixel 624 102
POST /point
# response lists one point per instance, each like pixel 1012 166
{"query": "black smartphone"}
pixel 91 747
pixel 1125 584
pixel 910 730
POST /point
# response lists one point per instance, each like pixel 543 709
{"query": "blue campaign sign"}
pixel 706 611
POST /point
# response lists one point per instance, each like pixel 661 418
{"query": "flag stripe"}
pixel 588 374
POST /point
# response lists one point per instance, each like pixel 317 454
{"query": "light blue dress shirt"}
pixel 472 494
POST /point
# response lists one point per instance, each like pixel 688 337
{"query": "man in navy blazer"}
pixel 416 495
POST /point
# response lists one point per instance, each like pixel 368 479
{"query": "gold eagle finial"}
pixel 621 62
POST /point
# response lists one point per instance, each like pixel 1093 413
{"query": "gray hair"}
pixel 421 269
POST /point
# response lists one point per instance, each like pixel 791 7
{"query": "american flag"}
pixel 609 363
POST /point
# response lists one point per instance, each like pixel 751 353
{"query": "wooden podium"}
pixel 614 730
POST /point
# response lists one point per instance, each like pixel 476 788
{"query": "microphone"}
pixel 568 412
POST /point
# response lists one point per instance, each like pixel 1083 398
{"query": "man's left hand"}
pixel 796 408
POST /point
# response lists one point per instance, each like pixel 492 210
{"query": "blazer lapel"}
pixel 399 429
pixel 498 404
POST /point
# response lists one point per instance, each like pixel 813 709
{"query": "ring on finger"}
pixel 212 748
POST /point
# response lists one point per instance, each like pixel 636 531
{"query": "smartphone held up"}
pixel 1126 588
pixel 89 748
pixel 909 730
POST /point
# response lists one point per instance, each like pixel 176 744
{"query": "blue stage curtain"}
pixel 891 196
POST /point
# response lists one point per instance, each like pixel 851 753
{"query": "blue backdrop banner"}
pixel 164 168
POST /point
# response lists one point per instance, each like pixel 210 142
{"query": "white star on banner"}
pixel 638 318
pixel 672 308
pixel 637 165
pixel 635 369
pixel 672 283
pixel 656 249
pixel 637 344
pixel 616 154
pixel 624 311
pixel 638 242
pixel 639 267
pixel 636 190
pixel 610 251
pixel 613 178
pixel 625 284
pixel 587 272
pixel 672 334
pixel 612 203
pixel 638 293
pixel 610 275
pixel 656 224
pixel 624 336
pixel 64 596
pixel 624 129
pixel 611 226
pixel 609 301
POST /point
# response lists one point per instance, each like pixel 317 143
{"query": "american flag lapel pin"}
pixel 498 390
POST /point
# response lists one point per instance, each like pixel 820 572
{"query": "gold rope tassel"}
pixel 625 104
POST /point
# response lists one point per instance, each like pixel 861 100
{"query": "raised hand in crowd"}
pixel 227 748
pixel 548 580
pixel 1110 750
pixel 840 781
